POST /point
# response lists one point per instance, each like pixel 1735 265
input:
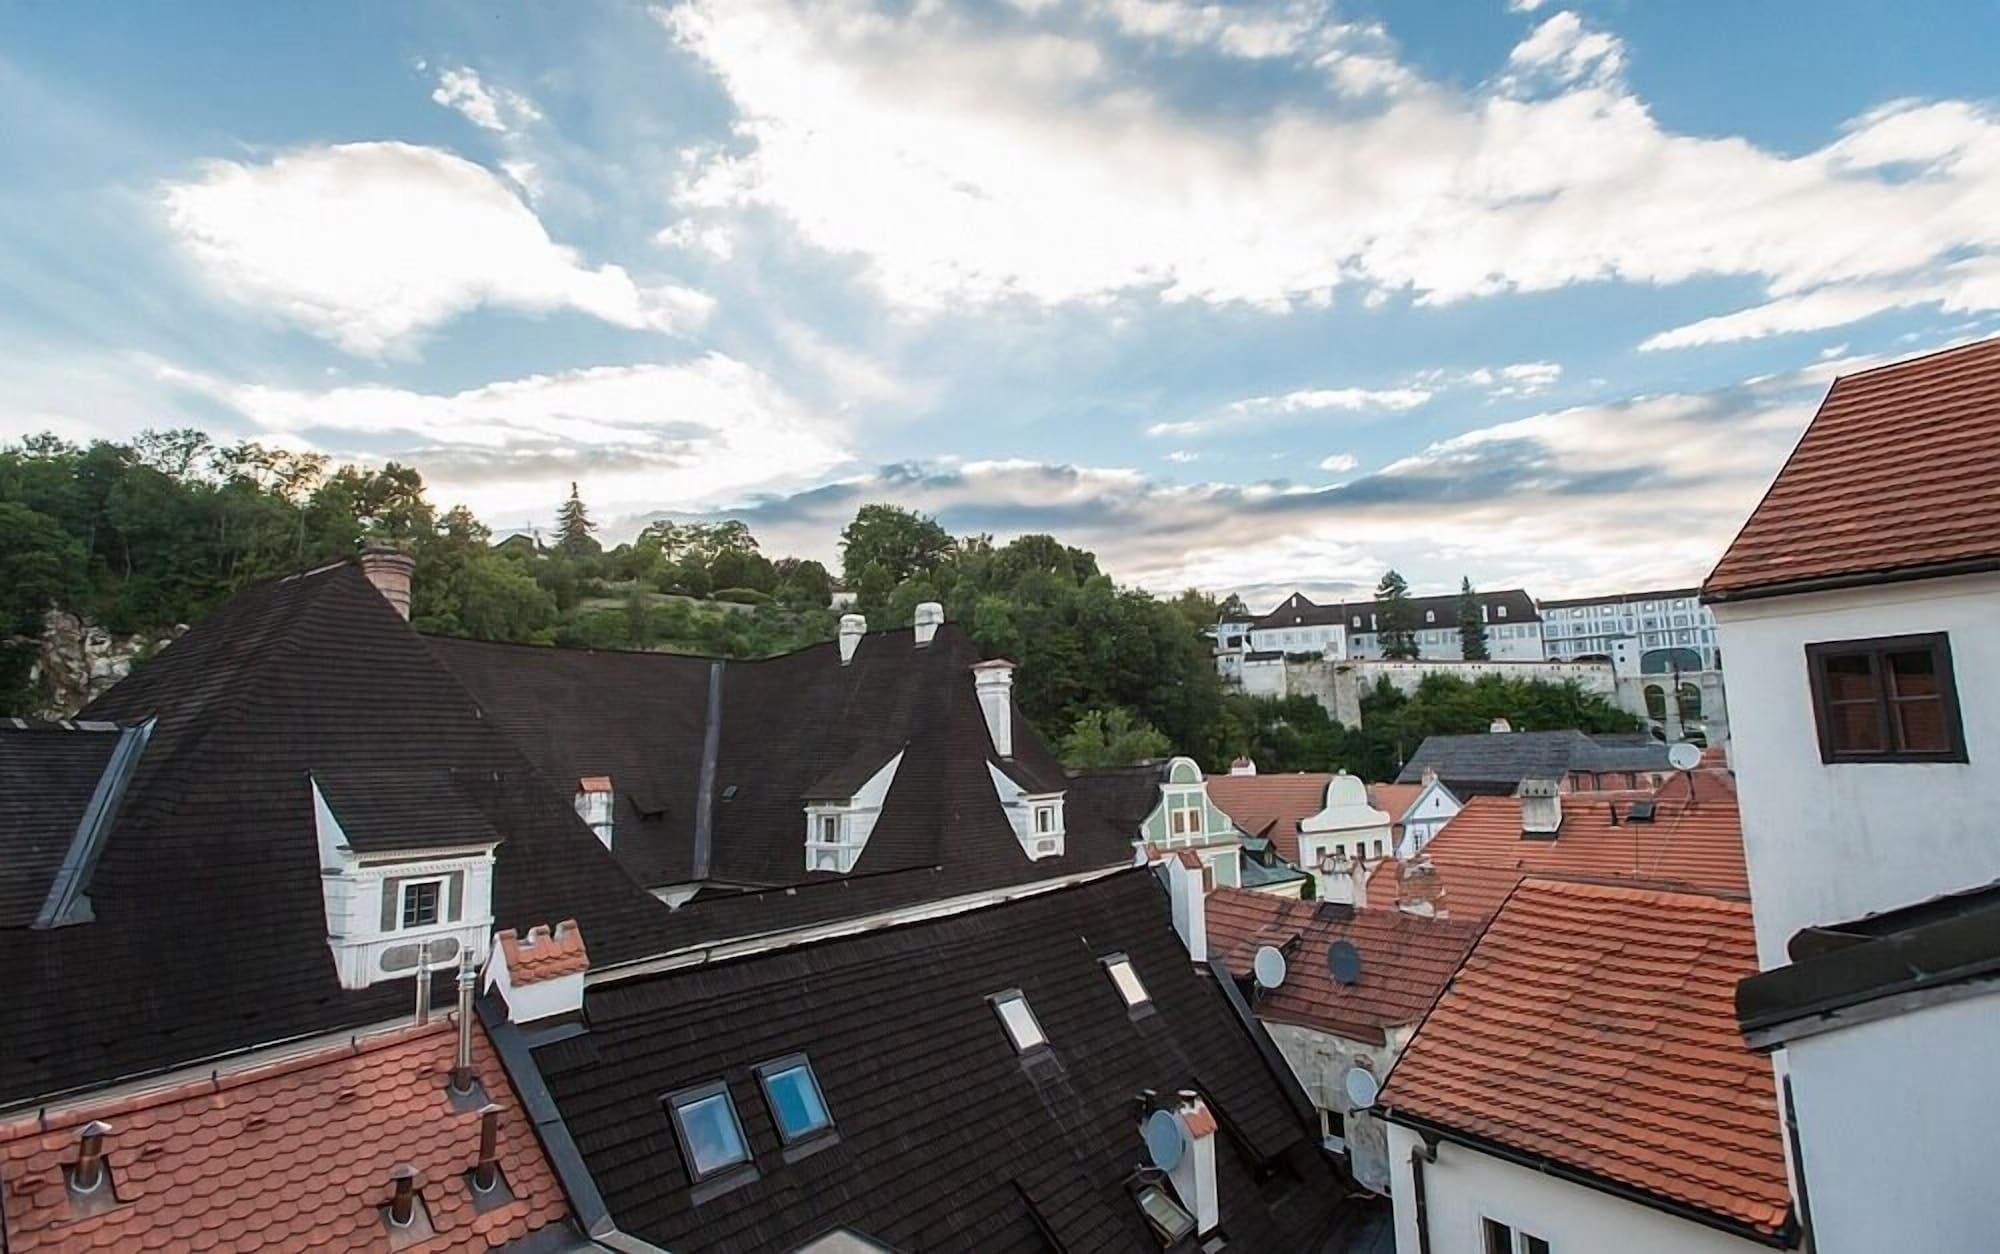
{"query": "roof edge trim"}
pixel 1856 579
pixel 67 901
pixel 1785 1238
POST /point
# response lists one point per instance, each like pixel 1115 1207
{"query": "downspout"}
pixel 1424 1151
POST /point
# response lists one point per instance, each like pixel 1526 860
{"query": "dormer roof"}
pixel 61 785
pixel 403 809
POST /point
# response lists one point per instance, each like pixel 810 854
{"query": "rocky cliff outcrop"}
pixel 79 661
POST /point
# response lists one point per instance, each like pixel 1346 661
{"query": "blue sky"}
pixel 1244 296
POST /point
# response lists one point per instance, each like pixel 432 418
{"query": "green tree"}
pixel 573 527
pixel 901 542
pixel 803 582
pixel 1395 617
pixel 1471 624
pixel 1113 737
pixel 41 568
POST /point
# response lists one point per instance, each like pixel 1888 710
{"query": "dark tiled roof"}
pixel 1593 1025
pixel 1115 797
pixel 48 774
pixel 1615 598
pixel 1898 475
pixel 793 728
pixel 947 1140
pixel 1271 806
pixel 210 924
pixel 1497 761
pixel 1298 610
pixel 385 809
pixel 1405 960
pixel 290 1155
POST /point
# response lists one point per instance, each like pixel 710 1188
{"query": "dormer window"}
pixel 842 817
pixel 395 907
pixel 595 806
pixel 1499 611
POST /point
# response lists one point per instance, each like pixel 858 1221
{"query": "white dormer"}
pixel 838 830
pixel 595 805
pixel 1036 817
pixel 389 912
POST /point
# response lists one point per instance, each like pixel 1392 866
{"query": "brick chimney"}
pixel 389 569
pixel 852 628
pixel 1193 1177
pixel 929 617
pixel 540 975
pixel 1243 766
pixel 994 681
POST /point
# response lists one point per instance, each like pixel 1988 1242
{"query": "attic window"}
pixel 1499 611
pixel 1045 820
pixel 421 900
pixel 792 1091
pixel 1022 1027
pixel 710 1134
pixel 1127 981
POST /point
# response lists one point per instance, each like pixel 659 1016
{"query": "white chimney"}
pixel 852 628
pixel 1359 869
pixel 1189 894
pixel 994 681
pixel 1193 1177
pixel 1243 766
pixel 930 616
pixel 1430 776
pixel 1541 807
pixel 390 570
pixel 1500 726
pixel 540 975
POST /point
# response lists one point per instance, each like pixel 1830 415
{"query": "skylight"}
pixel 1127 980
pixel 711 1136
pixel 792 1090
pixel 1019 1020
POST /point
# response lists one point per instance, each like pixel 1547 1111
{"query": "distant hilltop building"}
pixel 1349 630
pixel 1672 629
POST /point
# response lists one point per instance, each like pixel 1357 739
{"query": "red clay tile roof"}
pixel 594 783
pixel 1479 855
pixel 1595 1025
pixel 544 956
pixel 1898 473
pixel 1394 798
pixel 284 1156
pixel 1275 802
pixel 1405 960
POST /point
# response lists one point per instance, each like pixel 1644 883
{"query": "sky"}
pixel 1246 296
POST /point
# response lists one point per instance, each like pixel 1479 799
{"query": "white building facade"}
pixel 1672 618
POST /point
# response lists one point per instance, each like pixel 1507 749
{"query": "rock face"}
pixel 79 661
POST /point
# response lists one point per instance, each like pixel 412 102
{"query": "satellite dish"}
pixel 1362 1087
pixel 1683 756
pixel 1344 960
pixel 1269 966
pixel 1165 1139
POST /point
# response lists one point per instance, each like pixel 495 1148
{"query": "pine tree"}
pixel 1471 625
pixel 1396 617
pixel 573 527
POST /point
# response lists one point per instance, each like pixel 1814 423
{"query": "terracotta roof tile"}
pixel 1594 1025
pixel 1899 472
pixel 279 1156
pixel 1478 857
pixel 1271 805
pixel 544 955
pixel 1405 960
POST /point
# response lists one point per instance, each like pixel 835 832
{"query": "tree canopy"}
pixel 1471 624
pixel 1396 619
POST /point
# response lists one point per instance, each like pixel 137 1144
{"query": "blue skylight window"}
pixel 711 1136
pixel 792 1090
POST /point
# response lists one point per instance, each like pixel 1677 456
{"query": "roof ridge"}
pixel 1991 341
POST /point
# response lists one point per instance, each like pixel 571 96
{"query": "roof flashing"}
pixel 68 900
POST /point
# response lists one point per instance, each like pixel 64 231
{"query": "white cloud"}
pixel 1524 6
pixel 1182 457
pixel 1339 463
pixel 367 244
pixel 691 435
pixel 1566 501
pixel 493 109
pixel 1293 404
pixel 963 163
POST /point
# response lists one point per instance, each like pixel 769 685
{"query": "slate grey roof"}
pixel 1489 762
pixel 48 774
pixel 1299 610
pixel 385 809
pixel 209 932
pixel 946 1138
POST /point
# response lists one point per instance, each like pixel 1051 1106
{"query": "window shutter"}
pixel 454 895
pixel 392 898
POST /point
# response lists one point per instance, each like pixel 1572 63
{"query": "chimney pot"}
pixel 852 628
pixel 468 979
pixel 403 1203
pixel 487 1173
pixel 929 617
pixel 390 570
pixel 89 1174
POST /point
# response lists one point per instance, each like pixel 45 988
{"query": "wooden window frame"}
pixel 1876 649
